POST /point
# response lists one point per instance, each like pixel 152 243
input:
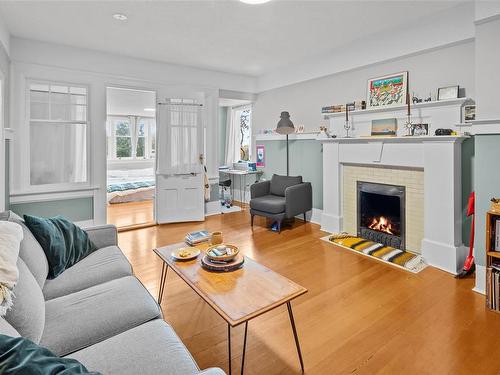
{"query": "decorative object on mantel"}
pixel 400 258
pixel 448 132
pixel 347 125
pixel 495 205
pixel 384 127
pixel 469 112
pixel 419 130
pixel 300 129
pixel 285 126
pixel 324 133
pixel 449 92
pixel 408 122
pixel 389 90
pixel 415 99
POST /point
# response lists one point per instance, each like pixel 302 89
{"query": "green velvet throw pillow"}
pixel 20 356
pixel 64 243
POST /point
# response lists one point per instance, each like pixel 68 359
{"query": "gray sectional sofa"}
pixel 96 312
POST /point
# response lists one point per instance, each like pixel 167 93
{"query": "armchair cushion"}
pixel 280 183
pixel 272 204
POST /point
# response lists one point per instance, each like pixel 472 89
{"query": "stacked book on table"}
pixel 195 238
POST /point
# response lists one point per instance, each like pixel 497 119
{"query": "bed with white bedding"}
pixel 131 185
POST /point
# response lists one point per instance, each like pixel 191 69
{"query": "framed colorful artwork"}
pixel 261 156
pixel 390 90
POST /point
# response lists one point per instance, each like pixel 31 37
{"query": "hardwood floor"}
pixel 359 316
pixel 130 213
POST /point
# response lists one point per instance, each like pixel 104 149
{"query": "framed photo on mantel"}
pixel 390 90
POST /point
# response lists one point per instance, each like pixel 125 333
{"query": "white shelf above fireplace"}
pixel 438 103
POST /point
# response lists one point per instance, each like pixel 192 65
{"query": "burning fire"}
pixel 382 224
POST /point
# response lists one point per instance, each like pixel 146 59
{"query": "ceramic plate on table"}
pixel 185 253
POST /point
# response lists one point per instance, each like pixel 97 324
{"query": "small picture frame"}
pixel 419 130
pixel 449 92
pixel 261 156
pixel 384 127
pixel 469 112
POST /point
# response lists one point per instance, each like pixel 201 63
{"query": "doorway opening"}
pixel 131 157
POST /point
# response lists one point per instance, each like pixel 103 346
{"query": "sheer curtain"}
pixel 233 136
pixel 179 138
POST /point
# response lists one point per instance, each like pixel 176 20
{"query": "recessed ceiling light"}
pixel 120 17
pixel 254 1
pixel 149 110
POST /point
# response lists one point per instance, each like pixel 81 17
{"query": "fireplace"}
pixel 381 213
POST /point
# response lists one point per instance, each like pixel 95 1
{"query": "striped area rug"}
pixel 400 258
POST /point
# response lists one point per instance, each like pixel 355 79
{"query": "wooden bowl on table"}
pixel 231 252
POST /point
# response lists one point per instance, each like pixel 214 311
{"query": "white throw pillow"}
pixel 11 235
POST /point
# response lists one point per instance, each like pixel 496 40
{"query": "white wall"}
pixel 45 61
pixel 90 61
pixel 487 67
pixel 441 29
pixel 452 65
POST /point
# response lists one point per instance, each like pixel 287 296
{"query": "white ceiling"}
pixel 221 35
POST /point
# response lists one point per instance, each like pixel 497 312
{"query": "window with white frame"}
pixel 131 137
pixel 58 132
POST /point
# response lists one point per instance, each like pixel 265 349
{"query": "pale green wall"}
pixel 77 209
pixel 306 159
pixel 222 134
pixel 487 185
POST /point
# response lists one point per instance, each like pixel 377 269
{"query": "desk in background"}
pixel 242 174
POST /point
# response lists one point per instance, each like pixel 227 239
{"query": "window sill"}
pixel 59 189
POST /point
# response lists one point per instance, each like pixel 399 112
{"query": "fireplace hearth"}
pixel 381 213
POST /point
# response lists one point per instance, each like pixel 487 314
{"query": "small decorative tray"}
pixel 222 252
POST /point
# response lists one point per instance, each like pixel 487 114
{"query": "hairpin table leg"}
pixel 244 348
pixel 163 280
pixel 290 313
pixel 229 345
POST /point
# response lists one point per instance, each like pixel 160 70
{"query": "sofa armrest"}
pixel 260 189
pixel 103 235
pixel 298 199
pixel 212 371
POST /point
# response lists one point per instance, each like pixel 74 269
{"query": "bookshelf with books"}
pixel 493 260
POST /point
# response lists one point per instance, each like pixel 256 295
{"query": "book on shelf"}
pixel 496 247
pixel 492 283
pixel 193 238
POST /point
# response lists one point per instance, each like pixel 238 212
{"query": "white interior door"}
pixel 179 177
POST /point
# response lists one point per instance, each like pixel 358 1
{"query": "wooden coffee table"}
pixel 237 296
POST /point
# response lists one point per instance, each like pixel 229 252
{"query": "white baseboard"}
pixel 446 257
pixel 212 208
pixel 314 216
pixel 331 223
pixel 480 286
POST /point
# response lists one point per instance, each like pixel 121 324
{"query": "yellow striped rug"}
pixel 400 258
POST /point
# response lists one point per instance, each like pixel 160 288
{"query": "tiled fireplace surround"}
pixel 429 168
pixel 411 179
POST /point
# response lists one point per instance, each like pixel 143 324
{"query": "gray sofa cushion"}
pixel 99 267
pixel 7 329
pixel 27 315
pixel 84 318
pixel 280 183
pixel 269 203
pixel 152 348
pixel 30 251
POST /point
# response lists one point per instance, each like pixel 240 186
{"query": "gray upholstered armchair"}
pixel 282 198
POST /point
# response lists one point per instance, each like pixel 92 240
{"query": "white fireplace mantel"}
pixel 440 159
